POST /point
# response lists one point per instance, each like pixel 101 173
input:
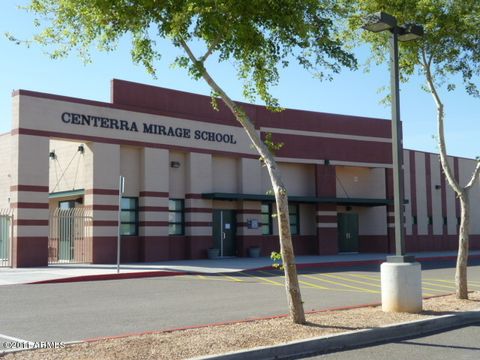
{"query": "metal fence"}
pixel 70 239
pixel 6 235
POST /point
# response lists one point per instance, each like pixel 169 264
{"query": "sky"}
pixel 350 92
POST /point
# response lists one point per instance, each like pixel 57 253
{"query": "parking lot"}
pixel 83 310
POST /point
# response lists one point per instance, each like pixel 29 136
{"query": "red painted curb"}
pixel 121 276
pixel 159 273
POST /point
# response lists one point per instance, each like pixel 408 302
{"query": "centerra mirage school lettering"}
pixel 162 130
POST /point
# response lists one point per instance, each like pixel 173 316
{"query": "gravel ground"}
pixel 189 343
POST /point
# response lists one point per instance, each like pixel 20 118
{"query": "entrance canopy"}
pixel 300 199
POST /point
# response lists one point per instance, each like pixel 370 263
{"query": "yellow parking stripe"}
pixel 351 280
pixel 232 278
pixel 210 278
pixel 439 285
pixel 370 277
pixel 341 284
pixel 271 282
pixel 300 281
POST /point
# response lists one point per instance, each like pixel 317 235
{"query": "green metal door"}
pixel 66 229
pixel 348 232
pixel 5 231
pixel 224 232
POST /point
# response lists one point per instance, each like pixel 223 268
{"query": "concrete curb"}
pixel 160 273
pixel 121 276
pixel 353 339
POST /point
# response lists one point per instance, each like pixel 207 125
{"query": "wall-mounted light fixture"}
pixel 52 155
pixel 81 149
pixel 174 164
pixel 438 187
pixel 326 162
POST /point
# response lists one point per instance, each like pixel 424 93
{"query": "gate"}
pixel 69 240
pixel 6 235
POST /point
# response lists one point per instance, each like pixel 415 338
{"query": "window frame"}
pixel 270 222
pixel 181 223
pixel 297 218
pixel 129 210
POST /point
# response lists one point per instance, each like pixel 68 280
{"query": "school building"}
pixel 194 185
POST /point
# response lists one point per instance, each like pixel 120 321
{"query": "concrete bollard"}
pixel 401 287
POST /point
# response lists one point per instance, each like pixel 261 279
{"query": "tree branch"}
pixel 475 175
pixel 440 122
pixel 210 50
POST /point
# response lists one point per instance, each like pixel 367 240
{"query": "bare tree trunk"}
pixel 292 286
pixel 462 258
pixel 462 193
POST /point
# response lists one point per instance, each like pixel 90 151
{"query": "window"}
pixel 267 219
pixel 175 217
pixel 129 216
pixel 294 218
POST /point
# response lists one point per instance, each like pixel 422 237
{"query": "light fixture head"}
pixel 175 164
pixel 410 32
pixel 379 21
pixel 52 155
pixel 81 149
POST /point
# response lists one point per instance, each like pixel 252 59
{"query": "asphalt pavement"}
pixel 84 310
pixel 459 343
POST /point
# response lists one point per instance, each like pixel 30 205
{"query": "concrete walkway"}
pixel 90 272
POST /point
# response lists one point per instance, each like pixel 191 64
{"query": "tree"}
pixel 258 36
pixel 449 49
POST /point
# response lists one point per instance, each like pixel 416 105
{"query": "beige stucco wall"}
pixel 358 182
pixel 177 183
pixel 466 167
pixel 5 175
pixel 298 178
pixel 67 170
pixel 408 193
pixel 130 165
pixel 225 174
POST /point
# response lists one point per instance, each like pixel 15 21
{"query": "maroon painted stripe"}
pixel 199 210
pixel 31 188
pixel 153 223
pixel 136 143
pixel 456 170
pixel 101 207
pixel 443 189
pixel 428 181
pixel 327 219
pixel 30 222
pixel 158 194
pixel 105 223
pixel 198 223
pixel 413 190
pixel 193 196
pixel 29 205
pixel 98 191
pixel 153 208
pixel 249 212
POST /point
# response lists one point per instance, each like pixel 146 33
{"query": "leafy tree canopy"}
pixel 258 36
pixel 451 42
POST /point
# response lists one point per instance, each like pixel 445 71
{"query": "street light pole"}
pixel 401 276
pixel 397 154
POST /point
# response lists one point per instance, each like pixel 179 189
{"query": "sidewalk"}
pixel 89 272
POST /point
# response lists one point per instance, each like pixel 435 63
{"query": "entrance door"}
pixel 66 230
pixel 348 232
pixel 224 231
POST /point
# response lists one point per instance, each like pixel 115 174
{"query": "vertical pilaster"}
pixel 198 211
pixel 153 205
pixel 327 228
pixel 29 200
pixel 102 165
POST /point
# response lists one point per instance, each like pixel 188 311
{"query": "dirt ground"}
pixel 189 343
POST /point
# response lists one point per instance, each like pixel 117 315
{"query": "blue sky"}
pixel 352 93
